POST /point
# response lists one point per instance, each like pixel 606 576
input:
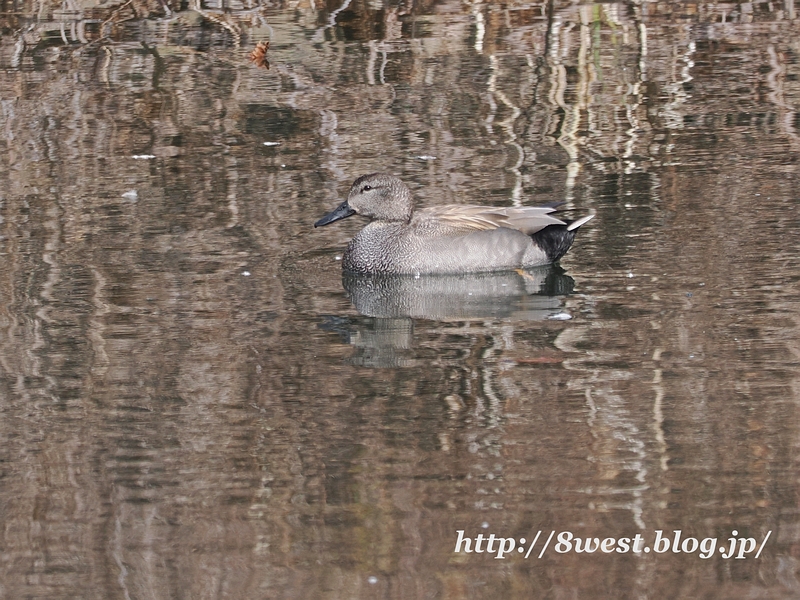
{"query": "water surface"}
pixel 195 403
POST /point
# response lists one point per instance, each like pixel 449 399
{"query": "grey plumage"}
pixel 445 239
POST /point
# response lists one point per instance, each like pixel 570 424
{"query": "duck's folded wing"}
pixel 455 218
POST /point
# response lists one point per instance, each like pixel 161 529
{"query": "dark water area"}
pixel 195 403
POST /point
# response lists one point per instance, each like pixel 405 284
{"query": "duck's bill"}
pixel 341 212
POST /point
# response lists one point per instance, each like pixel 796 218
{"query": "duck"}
pixel 446 240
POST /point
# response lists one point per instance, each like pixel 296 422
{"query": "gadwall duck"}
pixel 445 239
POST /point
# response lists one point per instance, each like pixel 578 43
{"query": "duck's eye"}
pixel 366 188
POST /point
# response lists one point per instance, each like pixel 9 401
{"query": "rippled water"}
pixel 195 403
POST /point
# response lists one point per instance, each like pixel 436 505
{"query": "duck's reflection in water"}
pixel 394 302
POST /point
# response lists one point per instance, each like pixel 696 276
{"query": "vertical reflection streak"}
pixel 232 164
pixel 495 409
pixel 775 80
pixel 480 27
pixel 642 52
pixel 105 67
pixel 492 105
pixel 328 130
pixel 370 67
pixel 320 33
pixel 117 553
pixel 568 138
pixel 48 257
pixel 672 112
pixel 634 92
pixel 384 62
pixel 96 332
pixel 508 127
pixel 232 178
pixel 658 414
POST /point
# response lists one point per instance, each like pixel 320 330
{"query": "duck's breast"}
pixel 378 248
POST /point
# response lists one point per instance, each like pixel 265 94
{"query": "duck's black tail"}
pixel 555 240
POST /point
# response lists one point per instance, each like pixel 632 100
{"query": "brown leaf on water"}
pixel 259 55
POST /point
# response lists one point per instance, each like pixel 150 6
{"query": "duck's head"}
pixel 377 196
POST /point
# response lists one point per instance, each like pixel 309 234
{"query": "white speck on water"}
pixel 246 273
pixel 337 257
pixel 426 157
pixel 630 275
pixel 562 316
pixel 372 579
pixel 272 143
pixel 485 525
pixel 143 156
pixel 283 166
pixel 131 195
